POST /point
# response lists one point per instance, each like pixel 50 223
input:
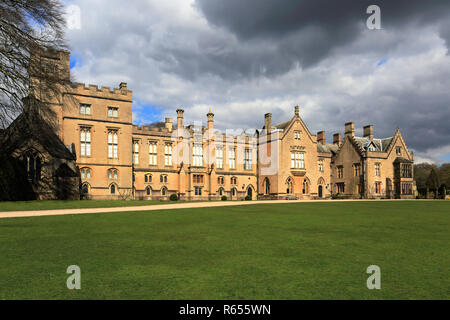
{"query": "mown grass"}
pixel 261 251
pixel 72 204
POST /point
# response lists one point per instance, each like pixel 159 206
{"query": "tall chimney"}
pixel 169 124
pixel 350 129
pixel 297 112
pixel 210 116
pixel 368 132
pixel 337 139
pixel 321 137
pixel 268 122
pixel 180 118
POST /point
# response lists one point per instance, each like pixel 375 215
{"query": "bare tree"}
pixel 28 28
pixel 125 194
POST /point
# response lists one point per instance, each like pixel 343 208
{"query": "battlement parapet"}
pixel 104 92
pixel 149 130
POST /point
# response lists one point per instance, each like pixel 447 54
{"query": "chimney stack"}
pixel 349 129
pixel 368 132
pixel 169 124
pixel 268 122
pixel 321 137
pixel 337 139
pixel 210 116
pixel 180 118
pixel 297 112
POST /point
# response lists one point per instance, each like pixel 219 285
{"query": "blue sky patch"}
pixel 75 60
pixel 144 114
pixel 382 61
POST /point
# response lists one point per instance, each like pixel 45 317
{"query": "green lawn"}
pixel 261 251
pixel 72 204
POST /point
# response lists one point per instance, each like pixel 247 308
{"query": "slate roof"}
pixel 282 125
pixel 327 148
pixel 381 145
pixel 31 126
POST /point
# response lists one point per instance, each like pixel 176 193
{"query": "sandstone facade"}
pixel 119 160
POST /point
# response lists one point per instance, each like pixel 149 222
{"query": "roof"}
pixel 327 148
pixel 402 160
pixel 381 145
pixel 282 125
pixel 30 125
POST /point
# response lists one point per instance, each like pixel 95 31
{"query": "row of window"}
pixel 85 173
pixel 153 154
pixel 406 188
pixel 85 109
pixel 357 170
pixel 221 180
pixel 197 191
pixel 85 143
pixel 289 186
pixel 398 150
pixel 113 174
pixel 113 190
pixel 298 161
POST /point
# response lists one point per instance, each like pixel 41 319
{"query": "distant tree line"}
pixel 432 180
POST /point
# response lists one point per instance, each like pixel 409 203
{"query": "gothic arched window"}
pixel 33 164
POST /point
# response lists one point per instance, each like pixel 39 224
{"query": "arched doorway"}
pixel 233 193
pixel 321 184
pixel 85 189
pixel 250 192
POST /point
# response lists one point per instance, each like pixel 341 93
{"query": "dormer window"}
pixel 399 151
pixel 372 147
pixel 297 135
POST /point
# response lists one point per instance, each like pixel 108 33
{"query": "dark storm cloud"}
pixel 245 58
pixel 306 31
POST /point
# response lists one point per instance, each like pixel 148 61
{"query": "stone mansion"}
pixel 119 160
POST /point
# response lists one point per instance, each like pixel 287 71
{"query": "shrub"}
pixel 224 198
pixel 173 197
pixel 248 198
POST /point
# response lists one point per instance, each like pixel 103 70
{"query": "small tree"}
pixel 224 198
pixel 173 197
pixel 125 194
